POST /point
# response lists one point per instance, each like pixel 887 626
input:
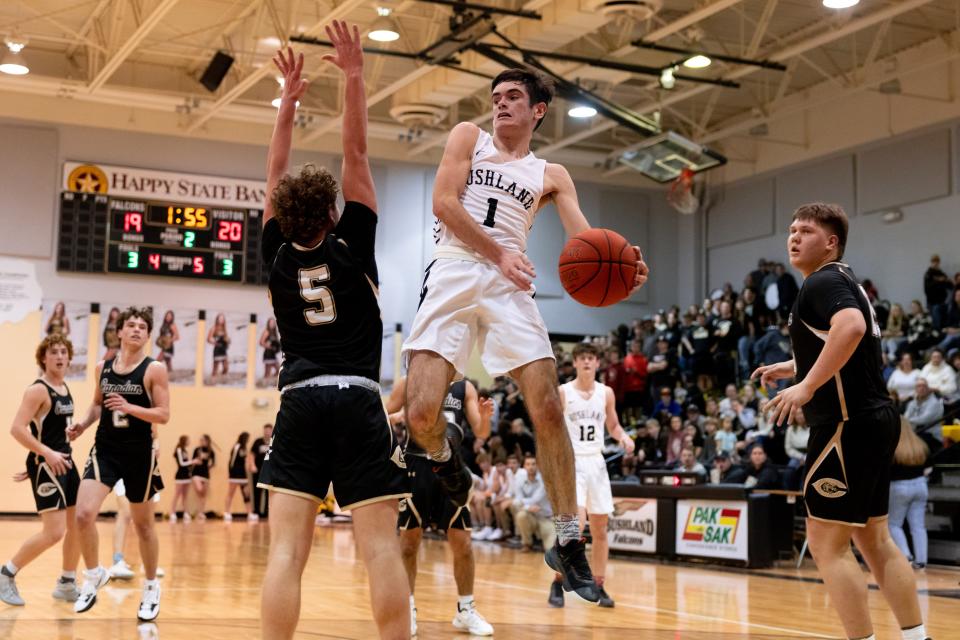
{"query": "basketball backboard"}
pixel 663 157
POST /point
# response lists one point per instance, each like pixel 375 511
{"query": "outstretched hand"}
pixel 346 43
pixel 643 271
pixel 294 86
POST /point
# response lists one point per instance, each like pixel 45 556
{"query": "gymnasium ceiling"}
pixel 136 64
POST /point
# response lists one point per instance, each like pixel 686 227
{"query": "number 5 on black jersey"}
pixel 312 290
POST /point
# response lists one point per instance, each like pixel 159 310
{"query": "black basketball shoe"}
pixel 556 595
pixel 455 478
pixel 570 561
pixel 605 600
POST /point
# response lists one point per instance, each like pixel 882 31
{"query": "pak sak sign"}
pixel 712 528
pixel 633 525
pixel 150 184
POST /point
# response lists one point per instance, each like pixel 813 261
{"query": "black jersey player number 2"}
pixel 312 290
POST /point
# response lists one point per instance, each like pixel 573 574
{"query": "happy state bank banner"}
pixel 712 528
pixel 130 182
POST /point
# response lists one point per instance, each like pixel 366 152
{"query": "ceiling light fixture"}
pixel 383 29
pixel 667 80
pixel 698 61
pixel 582 111
pixel 840 4
pixel 13 62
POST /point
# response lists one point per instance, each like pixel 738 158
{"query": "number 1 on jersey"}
pixel 491 212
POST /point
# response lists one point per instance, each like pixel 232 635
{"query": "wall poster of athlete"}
pixel 71 319
pixel 174 343
pixel 269 357
pixel 225 351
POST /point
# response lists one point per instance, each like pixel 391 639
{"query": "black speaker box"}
pixel 216 70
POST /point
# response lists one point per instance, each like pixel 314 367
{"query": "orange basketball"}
pixel 597 267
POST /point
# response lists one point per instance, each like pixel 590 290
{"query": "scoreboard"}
pixel 103 233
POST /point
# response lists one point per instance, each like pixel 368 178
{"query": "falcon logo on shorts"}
pixel 46 489
pixel 830 488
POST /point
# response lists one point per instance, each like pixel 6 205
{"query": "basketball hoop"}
pixel 681 195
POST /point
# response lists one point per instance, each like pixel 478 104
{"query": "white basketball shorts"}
pixel 465 302
pixel 593 485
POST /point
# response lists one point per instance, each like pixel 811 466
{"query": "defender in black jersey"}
pixel 854 428
pixel 428 504
pixel 131 395
pixel 238 470
pixel 40 425
pixel 331 427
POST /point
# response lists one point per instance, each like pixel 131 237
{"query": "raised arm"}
pixel 357 181
pixel 278 157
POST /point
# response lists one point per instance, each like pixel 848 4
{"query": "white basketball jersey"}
pixel 585 418
pixel 501 196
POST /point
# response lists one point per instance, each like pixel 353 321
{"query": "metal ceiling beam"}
pixel 88 25
pixel 411 77
pixel 255 76
pixel 656 35
pixel 785 54
pixel 130 45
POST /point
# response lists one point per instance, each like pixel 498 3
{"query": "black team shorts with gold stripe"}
pixel 848 468
pixel 136 466
pixel 339 434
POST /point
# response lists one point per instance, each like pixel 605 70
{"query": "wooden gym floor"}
pixel 212 587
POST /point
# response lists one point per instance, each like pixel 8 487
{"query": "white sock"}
pixel 151 583
pixel 413 605
pixel 93 574
pixel 914 633
pixel 465 602
pixel 69 575
pixel 11 568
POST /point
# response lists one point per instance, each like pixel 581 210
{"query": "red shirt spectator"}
pixel 635 366
pixel 615 375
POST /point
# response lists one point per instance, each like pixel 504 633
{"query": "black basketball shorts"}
pixel 429 505
pixel 136 466
pixel 51 492
pixel 334 429
pixel 848 477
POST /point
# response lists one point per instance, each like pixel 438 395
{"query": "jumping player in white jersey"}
pixel 588 406
pixel 478 291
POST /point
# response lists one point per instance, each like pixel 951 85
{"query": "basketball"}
pixel 597 267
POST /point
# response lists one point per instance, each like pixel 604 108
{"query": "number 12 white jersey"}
pixel 501 196
pixel 585 418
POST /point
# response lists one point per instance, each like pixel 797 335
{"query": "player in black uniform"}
pixel 331 426
pixel 131 395
pixel 854 428
pixel 429 506
pixel 237 475
pixel 40 425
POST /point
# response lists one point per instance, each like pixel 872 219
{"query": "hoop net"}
pixel 680 196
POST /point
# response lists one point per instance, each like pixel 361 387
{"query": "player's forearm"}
pixel 21 433
pixel 842 341
pixel 451 213
pixel 153 415
pixel 93 414
pixel 355 116
pixel 278 157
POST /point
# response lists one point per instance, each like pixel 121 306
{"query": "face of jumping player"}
pixel 512 111
pixel 134 332
pixel 586 366
pixel 810 245
pixel 55 359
